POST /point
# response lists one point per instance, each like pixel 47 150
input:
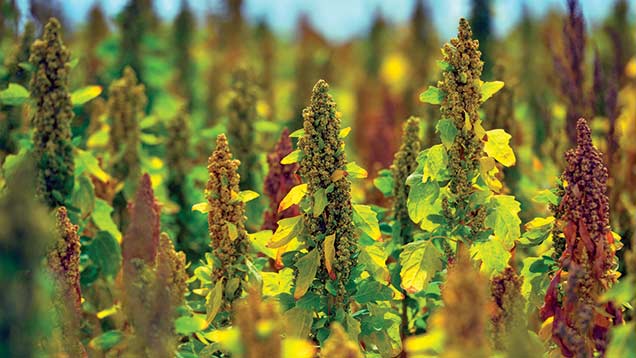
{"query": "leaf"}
pixel 259 241
pixel 203 207
pixel 294 197
pixel 434 162
pixel 298 322
pixel 372 291
pixel 488 170
pixel 247 195
pixel 85 94
pixel 320 202
pixel 232 230
pixel 422 202
pixel 293 157
pixel 287 230
pixel 444 66
pixel 493 254
pixel 503 218
pixel 266 127
pixel 344 132
pixel 86 162
pixel 488 89
pixel 546 196
pixel 622 340
pixel 384 182
pixel 337 175
pixel 366 220
pixel 102 219
pixel 537 231
pixel 330 254
pixel 447 131
pixel 105 252
pixel 297 133
pixel 14 95
pixel 297 348
pixel 374 257
pixel 355 171
pixel 432 95
pixel 420 261
pixel 150 139
pixel 621 293
pixel 227 340
pixel 186 325
pixel 275 283
pixel 106 340
pixel 307 267
pixel 83 196
pixel 498 147
pixel 213 302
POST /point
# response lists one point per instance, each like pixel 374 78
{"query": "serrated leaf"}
pixel 202 207
pixel 372 291
pixel 498 147
pixel 293 157
pixel 85 94
pixel 420 261
pixel 320 202
pixel 294 197
pixel 330 254
pixel 488 170
pixel 447 131
pixel 307 267
pixel 546 196
pixel 14 95
pixel 247 195
pixel 422 202
pixel 374 257
pixel 503 218
pixel 287 230
pixel 434 162
pixel 432 95
pixel 355 171
pixel 366 220
pixel 488 89
pixel 298 322
pixel 493 254
pixel 213 302
pixel 537 231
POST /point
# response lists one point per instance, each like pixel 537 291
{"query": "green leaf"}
pixel 14 95
pixel 493 254
pixel 294 197
pixel 150 139
pixel 374 257
pixel 297 133
pixel 384 182
pixel 102 219
pixel 444 66
pixel 546 196
pixel 355 171
pixel 320 202
pixel 498 146
pixel 372 291
pixel 213 302
pixel 423 201
pixel 488 89
pixel 434 162
pixel 503 218
pixel 288 229
pixel 537 231
pixel 293 157
pixel 247 195
pixel 432 95
pixel 85 94
pixel 83 196
pixel 85 161
pixel 105 252
pixel 366 220
pixel 186 325
pixel 621 293
pixel 420 261
pixel 298 322
pixel 307 267
pixel 106 340
pixel 447 131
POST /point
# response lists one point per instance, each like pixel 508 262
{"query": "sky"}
pixel 340 20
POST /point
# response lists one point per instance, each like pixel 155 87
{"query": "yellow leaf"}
pixel 85 94
pixel 488 169
pixel 213 301
pixel 498 146
pixel 292 157
pixel 203 207
pixel 355 171
pixel 337 175
pixel 330 254
pixel 107 312
pixel 488 89
pixel 247 195
pixel 294 196
pixel 288 229
pixel 344 132
pixel 232 231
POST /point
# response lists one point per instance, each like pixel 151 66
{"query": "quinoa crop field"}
pixel 206 186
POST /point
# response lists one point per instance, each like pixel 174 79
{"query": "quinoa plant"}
pixel 340 345
pixel 508 318
pixel 178 162
pixel 126 103
pixel 52 116
pixel 580 322
pixel 184 25
pixel 253 312
pixel 280 179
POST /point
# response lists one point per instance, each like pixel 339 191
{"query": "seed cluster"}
pixel 226 214
pixel 126 103
pixel 339 344
pixel 323 155
pixel 508 316
pixel 279 180
pixel 250 314
pixel 52 145
pixel 404 164
pixel 460 83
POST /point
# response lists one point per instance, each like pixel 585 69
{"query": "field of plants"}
pixel 206 187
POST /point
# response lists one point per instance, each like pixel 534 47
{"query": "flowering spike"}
pixel 280 179
pixel 508 318
pixel 53 114
pixel 226 214
pixel 339 344
pixel 253 312
pixel 141 240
